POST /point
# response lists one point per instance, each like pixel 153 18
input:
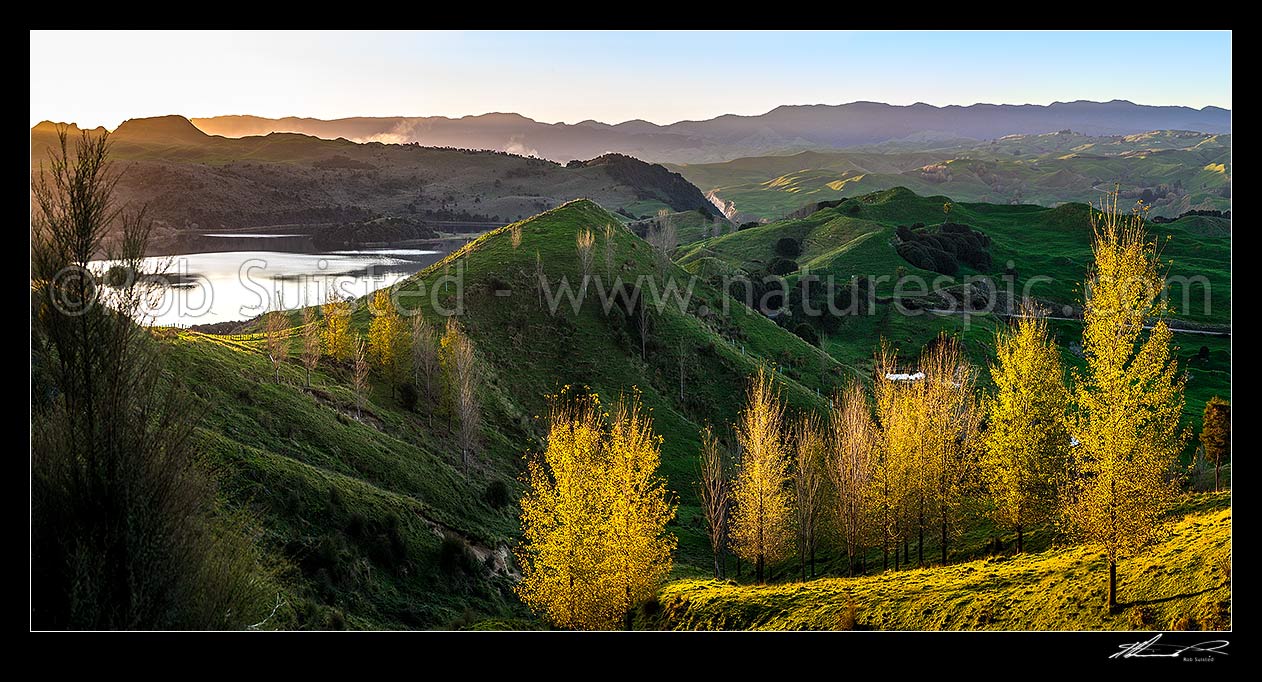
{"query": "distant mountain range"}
pixel 343 191
pixel 785 129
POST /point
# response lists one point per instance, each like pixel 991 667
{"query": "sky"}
pixel 106 77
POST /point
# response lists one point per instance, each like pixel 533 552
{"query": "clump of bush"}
pixel 943 250
pixel 788 247
pixel 782 266
pixel 454 556
pixel 496 494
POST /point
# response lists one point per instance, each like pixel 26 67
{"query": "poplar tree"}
pixel 1216 434
pixel 763 517
pixel 275 342
pixel 359 377
pixel 338 343
pixel 460 368
pixel 948 435
pixel 638 547
pixel 386 339
pixel 594 517
pixel 808 455
pixel 426 368
pixel 564 521
pixel 1026 437
pixel 311 345
pixel 852 467
pixel 1128 400
pixel 715 494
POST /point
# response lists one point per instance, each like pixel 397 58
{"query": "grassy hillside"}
pixel 1179 170
pixel 1048 247
pixel 1185 578
pixel 371 515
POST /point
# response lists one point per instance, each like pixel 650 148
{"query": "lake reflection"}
pixel 237 285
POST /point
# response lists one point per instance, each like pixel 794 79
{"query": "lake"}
pixel 224 286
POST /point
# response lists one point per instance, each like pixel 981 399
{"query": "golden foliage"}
pixel 585 242
pixel 1128 401
pixel 762 522
pixel 387 340
pixel 852 465
pixel 338 343
pixel 808 455
pixel 594 517
pixel 1026 440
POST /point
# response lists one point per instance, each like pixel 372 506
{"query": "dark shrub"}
pixel 853 208
pixel 782 266
pixel 746 226
pixel 454 556
pixel 409 396
pixel 807 333
pixel 496 494
pixel 788 247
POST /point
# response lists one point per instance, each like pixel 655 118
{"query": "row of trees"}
pixel 409 356
pixel 923 456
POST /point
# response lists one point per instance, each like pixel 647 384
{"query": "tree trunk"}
pixel 1020 540
pixel 1215 476
pixel 1112 585
pixel 906 553
pixel 895 556
pixel 758 569
pixel 944 539
pixel 812 562
pixel 738 565
pixel 716 565
pixel 920 541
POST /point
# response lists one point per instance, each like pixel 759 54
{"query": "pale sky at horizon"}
pixel 106 77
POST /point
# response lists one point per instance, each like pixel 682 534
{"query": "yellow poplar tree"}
pixel 594 517
pixel 638 545
pixel 762 522
pixel 387 340
pixel 338 343
pixel 808 479
pixel 948 435
pixel 897 439
pixel 1026 436
pixel 1129 399
pixel 563 521
pixel 852 467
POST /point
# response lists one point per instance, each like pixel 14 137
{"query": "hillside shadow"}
pixel 1162 600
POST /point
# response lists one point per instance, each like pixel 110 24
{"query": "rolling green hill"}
pixel 1049 248
pixel 1174 171
pixel 1183 582
pixel 371 517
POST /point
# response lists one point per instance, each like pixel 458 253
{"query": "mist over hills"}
pixel 785 129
